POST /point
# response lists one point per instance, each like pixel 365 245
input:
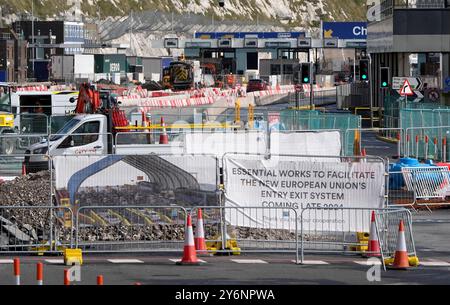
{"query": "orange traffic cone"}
pixel 401 261
pixel 163 138
pixel 374 244
pixel 200 243
pixel 189 253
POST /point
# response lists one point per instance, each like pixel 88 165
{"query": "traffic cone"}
pixel 401 260
pixel 374 244
pixel 189 253
pixel 200 243
pixel 163 138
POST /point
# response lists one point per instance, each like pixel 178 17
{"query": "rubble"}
pixel 31 189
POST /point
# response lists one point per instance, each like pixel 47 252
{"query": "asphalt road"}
pixel 431 239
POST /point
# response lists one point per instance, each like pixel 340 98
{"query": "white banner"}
pixel 295 183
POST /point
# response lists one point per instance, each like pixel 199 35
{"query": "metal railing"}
pixel 387 226
pixel 335 230
pixel 254 229
pixel 36 229
pixel 131 228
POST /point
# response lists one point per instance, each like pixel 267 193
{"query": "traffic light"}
pixel 364 70
pixel 384 77
pixel 221 3
pixel 305 73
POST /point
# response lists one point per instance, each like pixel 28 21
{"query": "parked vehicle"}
pixel 257 85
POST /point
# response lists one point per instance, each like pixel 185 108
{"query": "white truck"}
pixel 90 134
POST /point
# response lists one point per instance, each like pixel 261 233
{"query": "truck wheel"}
pixel 7 146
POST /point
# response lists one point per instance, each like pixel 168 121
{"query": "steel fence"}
pixel 397 192
pixel 17 144
pixel 163 179
pixel 252 229
pixel 354 138
pixel 428 142
pixel 36 229
pixel 387 225
pixel 131 228
pixel 335 230
pixel 430 185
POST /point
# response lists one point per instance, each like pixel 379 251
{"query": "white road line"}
pixel 6 261
pixel 368 263
pixel 249 261
pixel 55 261
pixel 434 264
pixel 125 261
pixel 176 260
pixel 313 262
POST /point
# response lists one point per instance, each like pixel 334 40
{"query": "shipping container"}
pixel 155 65
pixel 110 63
pixel 134 61
pixel 62 67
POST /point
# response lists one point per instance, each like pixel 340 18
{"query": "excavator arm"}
pixel 88 100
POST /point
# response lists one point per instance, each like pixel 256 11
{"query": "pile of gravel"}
pixel 32 189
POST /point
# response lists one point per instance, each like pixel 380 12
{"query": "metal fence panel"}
pixel 258 233
pixel 429 185
pixel 35 229
pixel 133 228
pixel 334 230
pixel 387 224
pixel 397 192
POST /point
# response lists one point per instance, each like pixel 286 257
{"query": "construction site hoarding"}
pixel 301 183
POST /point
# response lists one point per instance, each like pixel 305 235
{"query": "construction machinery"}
pixel 6 120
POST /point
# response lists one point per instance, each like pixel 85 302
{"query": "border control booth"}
pixel 240 53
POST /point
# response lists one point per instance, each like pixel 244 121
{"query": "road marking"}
pixel 249 261
pixel 434 264
pixel 125 261
pixel 368 263
pixel 312 262
pixel 176 260
pixel 6 261
pixel 55 261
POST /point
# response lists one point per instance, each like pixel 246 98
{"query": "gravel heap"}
pixel 32 189
pixel 132 233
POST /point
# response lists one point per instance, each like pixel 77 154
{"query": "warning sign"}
pixel 293 183
pixel 406 89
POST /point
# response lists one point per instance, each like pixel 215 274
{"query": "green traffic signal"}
pixel 384 84
pixel 364 76
pixel 305 80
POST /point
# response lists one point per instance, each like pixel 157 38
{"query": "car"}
pixel 256 85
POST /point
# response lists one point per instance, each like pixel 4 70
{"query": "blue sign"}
pixel 242 35
pixel 447 85
pixel 345 30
